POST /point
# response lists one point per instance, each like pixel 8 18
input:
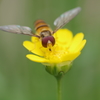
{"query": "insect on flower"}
pixel 43 31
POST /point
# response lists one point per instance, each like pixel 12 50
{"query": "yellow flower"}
pixel 67 48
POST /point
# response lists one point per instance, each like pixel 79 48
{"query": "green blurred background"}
pixel 22 79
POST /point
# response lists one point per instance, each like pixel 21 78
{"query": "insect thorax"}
pixel 45 33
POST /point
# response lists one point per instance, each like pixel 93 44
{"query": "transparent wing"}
pixel 66 17
pixel 17 29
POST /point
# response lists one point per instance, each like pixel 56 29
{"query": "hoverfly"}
pixel 43 31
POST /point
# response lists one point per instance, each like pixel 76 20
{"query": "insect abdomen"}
pixel 40 26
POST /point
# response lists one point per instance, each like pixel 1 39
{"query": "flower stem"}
pixel 59 88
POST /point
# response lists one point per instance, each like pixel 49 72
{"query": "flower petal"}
pixel 71 56
pixel 28 45
pixel 81 45
pixel 76 41
pixel 33 47
pixel 36 58
pixel 35 39
pixel 63 36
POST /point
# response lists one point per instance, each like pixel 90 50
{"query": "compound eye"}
pixel 46 39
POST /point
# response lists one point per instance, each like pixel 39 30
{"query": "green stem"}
pixel 59 88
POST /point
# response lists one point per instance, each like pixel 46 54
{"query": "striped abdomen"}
pixel 42 28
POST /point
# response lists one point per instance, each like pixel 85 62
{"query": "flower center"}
pixel 54 53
